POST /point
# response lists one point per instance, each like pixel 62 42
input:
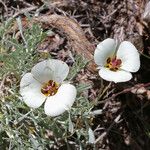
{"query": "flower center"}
pixel 50 88
pixel 113 63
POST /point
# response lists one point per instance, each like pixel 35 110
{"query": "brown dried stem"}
pixel 137 86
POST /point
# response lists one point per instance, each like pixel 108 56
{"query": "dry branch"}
pixel 75 36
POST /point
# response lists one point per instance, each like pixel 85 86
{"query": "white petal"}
pixel 129 56
pixel 30 89
pixel 51 69
pixel 62 101
pixel 104 50
pixel 118 76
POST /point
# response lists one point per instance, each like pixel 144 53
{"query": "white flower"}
pixel 115 62
pixel 45 84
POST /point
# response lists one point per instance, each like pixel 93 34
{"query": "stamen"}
pixel 108 60
pixel 113 63
pixel 50 88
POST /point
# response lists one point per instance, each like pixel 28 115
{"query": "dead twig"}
pixel 75 36
pixel 100 138
pixel 4 5
pixel 137 86
pixel 2 83
pixel 23 11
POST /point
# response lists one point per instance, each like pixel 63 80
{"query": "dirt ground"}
pixel 126 106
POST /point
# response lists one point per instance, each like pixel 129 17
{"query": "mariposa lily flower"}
pixel 45 84
pixel 116 62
